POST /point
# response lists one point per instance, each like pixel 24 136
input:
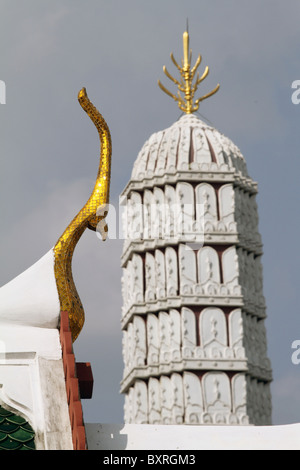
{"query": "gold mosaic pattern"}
pixel 87 217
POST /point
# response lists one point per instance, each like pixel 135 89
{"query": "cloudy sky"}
pixel 50 149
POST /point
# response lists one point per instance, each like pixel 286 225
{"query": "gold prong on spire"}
pixel 187 73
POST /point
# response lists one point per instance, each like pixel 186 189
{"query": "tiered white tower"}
pixel 194 340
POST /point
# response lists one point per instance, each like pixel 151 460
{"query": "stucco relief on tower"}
pixel 189 399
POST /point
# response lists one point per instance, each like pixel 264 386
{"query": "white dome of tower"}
pixel 188 145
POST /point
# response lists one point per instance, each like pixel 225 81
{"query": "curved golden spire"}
pixel 186 85
pixel 87 217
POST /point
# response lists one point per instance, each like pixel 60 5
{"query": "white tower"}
pixel 194 340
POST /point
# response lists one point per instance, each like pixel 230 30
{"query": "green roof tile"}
pixel 15 432
pixel 8 427
pixel 16 419
pixel 3 436
pixel 9 444
pixel 27 427
pixel 28 446
pixel 21 436
pixel 4 412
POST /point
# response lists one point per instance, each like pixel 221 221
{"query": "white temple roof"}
pixel 31 299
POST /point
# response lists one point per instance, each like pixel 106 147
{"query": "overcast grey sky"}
pixel 50 149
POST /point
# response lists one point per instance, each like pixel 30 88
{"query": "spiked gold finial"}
pixel 186 85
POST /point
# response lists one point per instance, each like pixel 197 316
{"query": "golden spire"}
pixel 186 85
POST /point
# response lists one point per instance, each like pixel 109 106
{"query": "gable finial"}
pixel 186 85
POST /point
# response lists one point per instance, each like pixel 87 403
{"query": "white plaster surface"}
pixel 44 342
pixel 172 437
pixel 31 298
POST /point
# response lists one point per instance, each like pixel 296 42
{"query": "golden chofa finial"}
pixel 186 85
